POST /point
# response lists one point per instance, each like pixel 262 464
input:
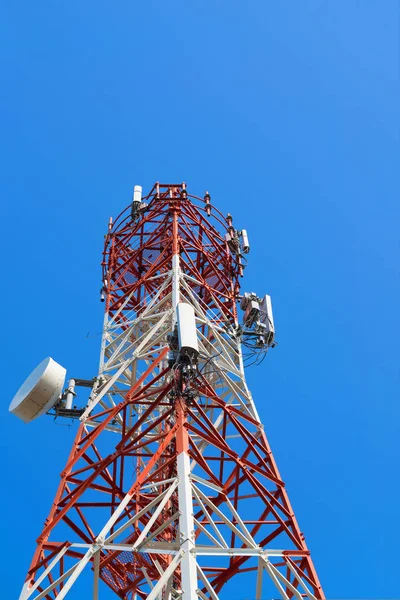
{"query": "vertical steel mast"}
pixel 171 489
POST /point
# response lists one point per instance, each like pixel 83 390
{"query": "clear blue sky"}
pixel 288 113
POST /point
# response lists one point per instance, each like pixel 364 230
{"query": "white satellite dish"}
pixel 39 392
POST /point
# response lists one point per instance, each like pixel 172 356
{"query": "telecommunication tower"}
pixel 170 490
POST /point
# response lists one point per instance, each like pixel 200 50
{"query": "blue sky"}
pixel 287 112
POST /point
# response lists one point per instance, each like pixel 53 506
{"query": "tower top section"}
pixel 167 222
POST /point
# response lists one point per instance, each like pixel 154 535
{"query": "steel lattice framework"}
pixel 171 489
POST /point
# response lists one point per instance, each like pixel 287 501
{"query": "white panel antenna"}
pixel 136 201
pixel 267 318
pixel 245 241
pixel 187 332
pixel 137 194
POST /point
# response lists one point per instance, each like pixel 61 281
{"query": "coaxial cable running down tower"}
pixel 171 489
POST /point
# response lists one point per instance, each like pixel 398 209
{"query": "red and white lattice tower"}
pixel 171 489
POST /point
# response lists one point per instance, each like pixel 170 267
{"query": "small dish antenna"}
pixel 40 392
